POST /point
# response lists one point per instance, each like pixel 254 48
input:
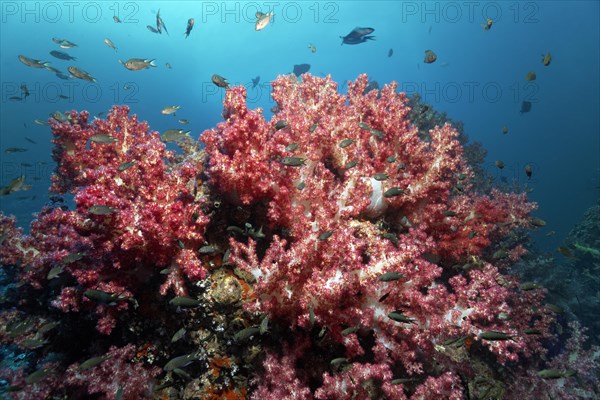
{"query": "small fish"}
pixel 168 66
pixel 255 82
pixel 38 375
pixel 495 335
pixel 393 192
pixel 102 138
pixel 173 135
pixel 391 159
pixel 64 44
pixel 450 213
pixel 116 19
pixel 338 361
pixel 15 185
pixel 11 150
pixel 33 344
pixel 430 57
pixel 92 362
pixel 182 361
pixel 381 177
pixel 528 170
pixel 525 107
pixel 102 297
pixel 184 301
pixel 138 64
pixel 170 110
pixel 188 29
pixel 246 333
pixel 293 161
pixel 312 128
pixel 554 374
pixel 152 29
pixel 390 52
pixel 291 147
pixel 532 331
pixel 351 164
pixel 546 59
pixel 208 249
pixel 55 272
pixel 264 325
pixel 160 24
pixel 537 222
pixel 399 317
pixel 565 251
pixel 16 329
pixel 346 143
pixel 62 55
pixel 390 276
pixel 126 165
pixel 262 20
pixel 312 47
pixel 488 24
pixel 377 133
pixel 325 235
pixel 178 335
pixel 101 210
pixel 350 330
pixel 81 74
pixel 505 130
pixel 530 76
pixel 110 44
pixel 47 327
pixel 281 124
pixel 500 164
pixel 183 121
pixel 392 237
pixel 59 116
pixel 30 62
pixel 30 140
pixel 220 81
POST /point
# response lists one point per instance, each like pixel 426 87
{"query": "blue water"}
pixel 478 77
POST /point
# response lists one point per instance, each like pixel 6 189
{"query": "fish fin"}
pixel 151 62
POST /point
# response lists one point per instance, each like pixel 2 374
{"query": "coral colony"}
pixel 333 252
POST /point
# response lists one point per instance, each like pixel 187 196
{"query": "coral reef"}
pixel 337 251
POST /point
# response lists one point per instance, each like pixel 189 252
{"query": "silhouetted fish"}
pixel 358 35
pixel 525 107
pixel 255 81
pixel 62 55
pixel 300 69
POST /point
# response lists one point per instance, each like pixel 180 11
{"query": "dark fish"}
pixel 350 330
pixel 178 335
pixel 38 375
pixel 346 143
pixel 151 29
pixel 182 361
pixel 393 192
pixel 488 24
pixel 528 170
pixel 173 135
pixel 92 362
pixel 293 161
pixel 15 98
pixel 505 130
pixel 116 19
pixel 525 107
pixel 188 29
pixel 255 81
pixel 325 235
pixel 430 57
pixel 300 69
pixel 126 165
pixel 390 276
pixel 380 177
pixel 495 335
pixel 372 85
pixel 71 258
pixel 30 140
pixel 390 52
pixel 160 24
pixel 62 55
pixel 102 297
pixel 554 374
pixel 358 35
pixel 24 91
pixel 220 81
pixel 15 185
pixel 530 76
pixel 184 301
pixel 280 124
pixel 246 333
pixel 500 164
pixel 399 317
pixel 10 150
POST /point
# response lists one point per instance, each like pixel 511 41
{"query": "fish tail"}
pixel 151 63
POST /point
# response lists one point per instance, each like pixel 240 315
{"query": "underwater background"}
pixel 479 77
pixel 492 78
